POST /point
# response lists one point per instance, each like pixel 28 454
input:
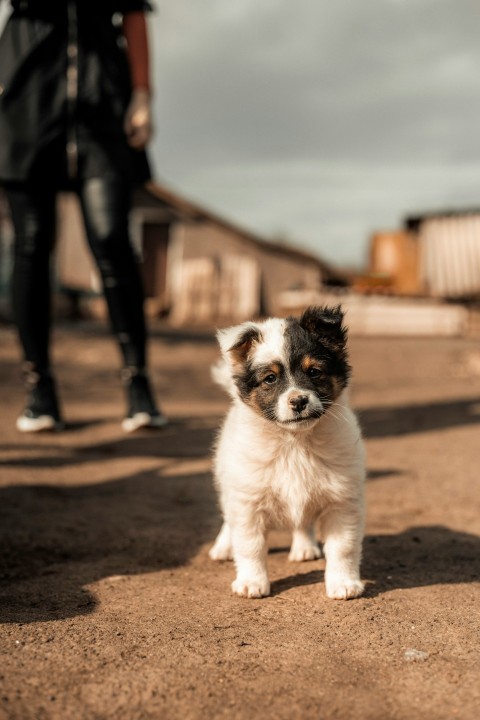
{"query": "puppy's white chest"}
pixel 295 482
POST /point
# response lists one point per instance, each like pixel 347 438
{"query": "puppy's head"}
pixel 289 371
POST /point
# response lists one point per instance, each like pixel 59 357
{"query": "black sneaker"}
pixel 142 410
pixel 42 411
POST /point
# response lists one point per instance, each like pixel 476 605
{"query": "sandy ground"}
pixel 110 607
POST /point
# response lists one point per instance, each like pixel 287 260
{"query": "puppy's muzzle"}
pixel 298 403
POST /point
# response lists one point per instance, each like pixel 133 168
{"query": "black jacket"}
pixel 64 89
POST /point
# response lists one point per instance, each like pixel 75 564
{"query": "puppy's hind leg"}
pixel 304 545
pixel 222 547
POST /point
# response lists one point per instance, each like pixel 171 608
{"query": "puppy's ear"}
pixel 237 342
pixel 326 323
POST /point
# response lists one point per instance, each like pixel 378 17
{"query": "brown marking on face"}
pixel 254 400
pixel 274 368
pixel 262 396
pixel 309 362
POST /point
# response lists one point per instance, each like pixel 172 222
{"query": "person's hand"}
pixel 138 123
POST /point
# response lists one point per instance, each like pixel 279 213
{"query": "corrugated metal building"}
pixel 448 253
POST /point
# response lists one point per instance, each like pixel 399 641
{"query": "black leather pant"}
pixel 105 204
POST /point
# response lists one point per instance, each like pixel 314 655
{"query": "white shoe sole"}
pixel 43 422
pixel 143 420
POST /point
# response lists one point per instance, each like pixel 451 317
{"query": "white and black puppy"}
pixel 290 452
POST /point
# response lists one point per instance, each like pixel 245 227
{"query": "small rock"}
pixel 413 655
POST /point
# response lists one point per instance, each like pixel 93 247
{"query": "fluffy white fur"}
pixel 272 475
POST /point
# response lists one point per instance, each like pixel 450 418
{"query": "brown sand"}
pixel 110 607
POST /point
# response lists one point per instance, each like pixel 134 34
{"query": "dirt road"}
pixel 110 607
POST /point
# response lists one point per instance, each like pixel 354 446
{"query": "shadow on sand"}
pixel 404 420
pixel 181 439
pixel 57 540
pixel 417 557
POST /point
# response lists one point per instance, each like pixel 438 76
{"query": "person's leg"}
pixel 33 216
pixel 106 204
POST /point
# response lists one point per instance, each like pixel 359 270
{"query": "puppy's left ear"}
pixel 326 323
pixel 237 342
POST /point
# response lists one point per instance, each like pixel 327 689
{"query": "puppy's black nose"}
pixel 299 402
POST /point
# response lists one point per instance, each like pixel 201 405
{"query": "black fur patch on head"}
pixel 316 347
pixel 326 323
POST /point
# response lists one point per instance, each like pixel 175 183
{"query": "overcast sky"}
pixel 319 120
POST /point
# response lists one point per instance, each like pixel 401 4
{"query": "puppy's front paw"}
pixel 301 553
pixel 344 588
pixel 251 587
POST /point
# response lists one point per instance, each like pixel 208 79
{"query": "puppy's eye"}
pixel 270 379
pixel 314 373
